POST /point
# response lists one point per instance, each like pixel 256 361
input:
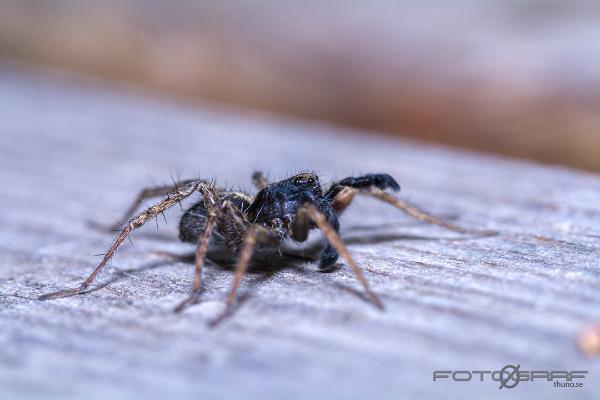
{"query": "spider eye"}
pixel 303 180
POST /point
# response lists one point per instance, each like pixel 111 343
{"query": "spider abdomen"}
pixel 193 220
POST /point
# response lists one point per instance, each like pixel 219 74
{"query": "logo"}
pixel 509 376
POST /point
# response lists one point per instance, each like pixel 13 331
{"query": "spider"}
pixel 282 210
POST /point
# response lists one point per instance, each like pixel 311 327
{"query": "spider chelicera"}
pixel 242 223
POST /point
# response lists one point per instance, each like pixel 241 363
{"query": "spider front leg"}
pixel 301 228
pixel 376 185
pixel 342 193
pixel 423 216
pixel 329 227
pixel 134 223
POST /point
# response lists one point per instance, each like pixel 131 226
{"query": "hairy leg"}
pixel 421 215
pixel 233 226
pixel 300 230
pixel 375 185
pixel 137 221
pixel 259 180
pixel 257 235
pixel 209 226
pixel 227 214
pixel 342 193
pixel 311 212
pixel 148 193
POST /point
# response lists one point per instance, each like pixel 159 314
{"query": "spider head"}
pixel 283 198
pixel 305 183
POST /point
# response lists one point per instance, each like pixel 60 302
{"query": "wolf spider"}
pixel 242 223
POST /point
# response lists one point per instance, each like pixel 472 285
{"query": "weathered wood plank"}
pixel 74 151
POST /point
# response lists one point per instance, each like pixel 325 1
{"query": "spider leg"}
pixel 148 193
pixel 311 212
pixel 300 230
pixel 257 234
pixel 209 226
pixel 234 223
pixel 342 193
pixel 421 215
pixel 137 221
pixel 342 199
pixel 259 180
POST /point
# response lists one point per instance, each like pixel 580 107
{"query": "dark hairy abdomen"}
pixel 193 219
pixel 192 222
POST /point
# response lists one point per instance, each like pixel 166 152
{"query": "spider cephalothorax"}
pixel 241 223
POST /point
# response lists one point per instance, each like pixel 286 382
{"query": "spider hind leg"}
pixel 174 197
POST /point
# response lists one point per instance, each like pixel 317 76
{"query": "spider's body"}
pixel 282 210
pixel 275 207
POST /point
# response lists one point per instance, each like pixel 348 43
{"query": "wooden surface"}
pixel 74 151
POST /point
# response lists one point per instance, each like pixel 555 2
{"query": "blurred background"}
pixel 520 78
